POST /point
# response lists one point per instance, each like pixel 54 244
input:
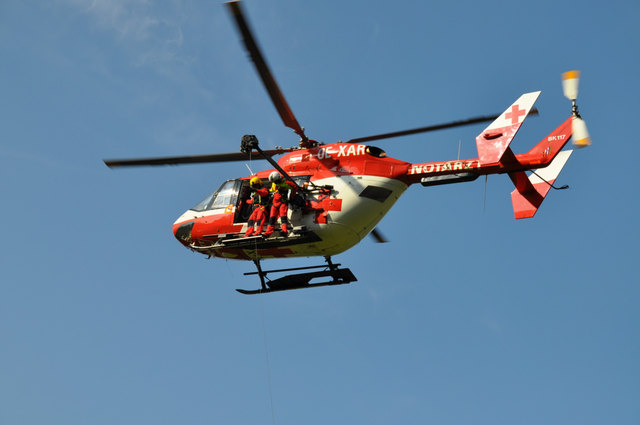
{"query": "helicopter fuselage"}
pixel 347 190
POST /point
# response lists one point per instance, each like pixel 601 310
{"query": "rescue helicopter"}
pixel 342 190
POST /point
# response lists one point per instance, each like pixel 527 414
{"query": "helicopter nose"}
pixel 182 232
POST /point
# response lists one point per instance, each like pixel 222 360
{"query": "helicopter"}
pixel 344 189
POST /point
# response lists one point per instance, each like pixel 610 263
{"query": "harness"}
pixel 283 189
pixel 259 199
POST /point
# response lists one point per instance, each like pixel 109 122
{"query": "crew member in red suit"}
pixel 259 199
pixel 282 191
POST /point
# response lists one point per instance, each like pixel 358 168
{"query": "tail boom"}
pixel 546 159
pixel 539 157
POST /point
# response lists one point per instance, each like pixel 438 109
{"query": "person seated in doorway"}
pixel 260 200
pixel 282 190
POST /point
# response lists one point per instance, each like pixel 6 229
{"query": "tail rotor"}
pixel 580 135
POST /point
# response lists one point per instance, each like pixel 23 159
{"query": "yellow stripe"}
pixel 582 143
pixel 570 75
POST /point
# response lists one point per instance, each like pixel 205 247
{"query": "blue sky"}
pixel 465 317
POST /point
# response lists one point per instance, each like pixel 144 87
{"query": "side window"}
pixel 377 152
pixel 300 180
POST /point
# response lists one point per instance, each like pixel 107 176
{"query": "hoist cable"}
pixel 266 352
pixel 264 328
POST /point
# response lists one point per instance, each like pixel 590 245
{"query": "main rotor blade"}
pixel 377 236
pixel 194 159
pixel 453 124
pixel 268 80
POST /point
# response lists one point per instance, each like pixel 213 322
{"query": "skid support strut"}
pixel 260 273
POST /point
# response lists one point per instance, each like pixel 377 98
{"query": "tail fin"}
pixel 494 141
pixel 531 190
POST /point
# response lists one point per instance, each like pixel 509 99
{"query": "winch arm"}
pixel 250 142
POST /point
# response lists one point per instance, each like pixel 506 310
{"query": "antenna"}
pixel 484 205
pixel 251 171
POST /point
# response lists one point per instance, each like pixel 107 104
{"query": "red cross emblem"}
pixel 515 114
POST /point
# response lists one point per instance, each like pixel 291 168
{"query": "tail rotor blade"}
pixel 570 81
pixel 579 134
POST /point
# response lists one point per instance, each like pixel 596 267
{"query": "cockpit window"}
pixel 202 205
pixel 226 195
pixel 377 152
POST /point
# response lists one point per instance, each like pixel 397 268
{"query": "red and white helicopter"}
pixel 346 188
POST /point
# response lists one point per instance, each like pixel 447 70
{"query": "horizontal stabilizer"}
pixel 531 190
pixel 493 142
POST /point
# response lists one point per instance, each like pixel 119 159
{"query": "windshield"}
pixel 202 205
pixel 226 195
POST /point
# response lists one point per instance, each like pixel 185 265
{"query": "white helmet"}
pixel 275 177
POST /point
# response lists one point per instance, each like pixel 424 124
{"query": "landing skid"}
pixel 300 280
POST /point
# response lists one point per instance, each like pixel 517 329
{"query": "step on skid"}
pixel 296 236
